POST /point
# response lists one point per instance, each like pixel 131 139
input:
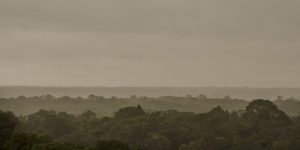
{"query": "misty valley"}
pixel 149 75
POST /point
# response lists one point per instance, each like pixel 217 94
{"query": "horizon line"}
pixel 122 86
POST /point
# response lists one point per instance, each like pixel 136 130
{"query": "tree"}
pixel 111 145
pixel 87 116
pixel 92 97
pixel 8 122
pixel 264 111
pixel 24 141
pixel 227 97
pixel 129 112
pixel 157 142
pixel 133 97
pixel 202 97
pixel 279 98
pixel 208 143
pixel 51 123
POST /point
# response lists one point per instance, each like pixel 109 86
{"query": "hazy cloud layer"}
pixel 150 43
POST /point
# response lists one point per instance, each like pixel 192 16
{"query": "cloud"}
pixel 59 58
pixel 274 19
pixel 143 42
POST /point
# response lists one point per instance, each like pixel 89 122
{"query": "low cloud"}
pixel 150 43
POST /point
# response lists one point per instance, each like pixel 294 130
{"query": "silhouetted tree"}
pixel 8 122
pixel 129 112
pixel 111 145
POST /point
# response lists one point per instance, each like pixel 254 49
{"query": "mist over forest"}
pixel 245 93
pixel 107 122
pixel 143 123
pixel 191 122
pixel 105 106
pixel 149 75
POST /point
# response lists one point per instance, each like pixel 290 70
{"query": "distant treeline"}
pixel 260 126
pixel 246 93
pixel 102 106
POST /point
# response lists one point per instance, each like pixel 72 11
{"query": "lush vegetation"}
pixel 246 93
pixel 260 126
pixel 102 106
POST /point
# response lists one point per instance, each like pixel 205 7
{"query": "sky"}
pixel 228 43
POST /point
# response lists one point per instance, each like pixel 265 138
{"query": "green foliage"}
pixel 130 112
pixel 23 141
pixel 26 141
pixel 87 116
pixel 106 106
pixel 208 143
pixel 264 111
pixel 262 126
pixel 8 122
pixel 156 142
pixel 51 123
pixel 111 145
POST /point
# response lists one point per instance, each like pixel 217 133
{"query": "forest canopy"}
pixel 260 126
pixel 106 106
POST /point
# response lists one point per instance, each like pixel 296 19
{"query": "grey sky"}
pixel 150 43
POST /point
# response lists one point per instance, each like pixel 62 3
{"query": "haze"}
pixel 150 43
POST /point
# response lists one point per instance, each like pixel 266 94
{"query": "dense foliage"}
pixel 261 126
pixel 102 106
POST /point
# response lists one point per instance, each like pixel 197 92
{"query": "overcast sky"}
pixel 252 43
